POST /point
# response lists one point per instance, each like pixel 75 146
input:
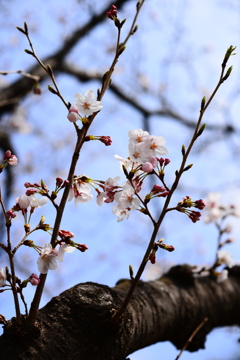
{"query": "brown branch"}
pixel 85 75
pixel 167 309
pixel 20 88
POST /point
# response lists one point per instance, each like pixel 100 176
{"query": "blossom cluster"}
pixel 143 151
pixel 215 210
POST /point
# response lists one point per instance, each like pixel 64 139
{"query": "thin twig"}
pixel 21 72
pixel 191 337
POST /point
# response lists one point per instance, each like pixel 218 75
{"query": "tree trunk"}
pixel 77 323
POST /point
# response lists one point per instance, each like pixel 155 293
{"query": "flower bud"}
pixel 7 154
pixel 34 279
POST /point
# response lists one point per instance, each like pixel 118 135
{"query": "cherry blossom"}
pixel 86 104
pixel 111 184
pixel 215 210
pixel 80 192
pixel 101 197
pixel 212 209
pixel 3 277
pixel 64 248
pixel 125 198
pixel 36 203
pixel 224 257
pixel 221 276
pixel 121 213
pixel 47 260
pixel 138 136
pixel 23 201
pixel 128 164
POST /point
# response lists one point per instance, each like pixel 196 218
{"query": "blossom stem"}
pixel 50 73
pixel 81 134
pixel 134 22
pixel 11 255
pixel 14 289
pixel 116 316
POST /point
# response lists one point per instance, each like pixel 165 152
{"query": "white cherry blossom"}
pixel 110 183
pixel 121 213
pixel 47 259
pixel 154 145
pixel 36 203
pixel 125 199
pixel 101 197
pixel 3 277
pixel 222 276
pixel 64 248
pixel 23 201
pixel 80 193
pixel 225 257
pixel 138 136
pixel 86 104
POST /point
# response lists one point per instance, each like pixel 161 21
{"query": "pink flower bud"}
pixel 161 161
pixel 112 13
pixel 73 115
pixel 34 279
pixel 81 247
pixel 147 167
pixel 158 189
pixel 167 161
pixel 164 194
pixel 106 140
pixel 199 204
pixel 153 160
pixel 10 214
pixel 152 257
pixel 7 154
pixel 31 192
pixel 28 185
pixel 65 234
pixel 59 181
pixel 66 183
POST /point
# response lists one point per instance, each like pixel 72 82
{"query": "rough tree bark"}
pixel 77 323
